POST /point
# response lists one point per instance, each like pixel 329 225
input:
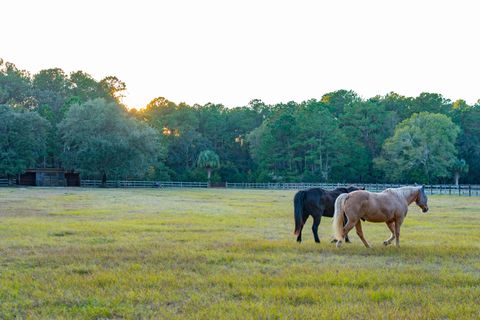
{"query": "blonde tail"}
pixel 339 216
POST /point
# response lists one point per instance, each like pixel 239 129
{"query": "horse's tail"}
pixel 298 211
pixel 339 216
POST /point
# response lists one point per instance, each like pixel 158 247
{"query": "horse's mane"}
pixel 403 192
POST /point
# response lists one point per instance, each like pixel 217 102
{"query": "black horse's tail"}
pixel 298 211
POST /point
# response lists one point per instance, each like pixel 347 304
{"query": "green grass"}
pixel 231 254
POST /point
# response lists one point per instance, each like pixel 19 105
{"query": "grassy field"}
pixel 226 254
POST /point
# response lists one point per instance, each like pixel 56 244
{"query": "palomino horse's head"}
pixel 421 199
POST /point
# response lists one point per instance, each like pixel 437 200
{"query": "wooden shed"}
pixel 49 177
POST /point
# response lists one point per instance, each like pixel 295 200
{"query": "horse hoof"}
pixel 333 241
pixel 339 244
pixel 385 243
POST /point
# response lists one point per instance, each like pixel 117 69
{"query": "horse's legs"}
pixel 299 237
pixel 398 223
pixel 350 224
pixel 391 226
pixel 316 223
pixel 358 226
pixel 347 240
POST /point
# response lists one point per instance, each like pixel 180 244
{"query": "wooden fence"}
pixel 143 184
pixel 464 190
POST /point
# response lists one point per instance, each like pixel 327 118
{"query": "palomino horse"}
pixel 389 206
pixel 315 202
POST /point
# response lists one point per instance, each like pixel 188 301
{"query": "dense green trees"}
pixel 299 142
pixel 15 86
pixel 22 140
pixel 468 144
pixel 80 123
pixel 186 130
pixel 101 140
pixel 422 148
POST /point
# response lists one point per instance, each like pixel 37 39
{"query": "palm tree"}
pixel 459 167
pixel 209 160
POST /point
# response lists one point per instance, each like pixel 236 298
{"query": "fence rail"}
pixel 465 190
pixel 143 184
pixel 468 190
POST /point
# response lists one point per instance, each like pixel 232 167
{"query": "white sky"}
pixel 231 52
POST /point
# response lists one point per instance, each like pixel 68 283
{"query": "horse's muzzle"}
pixel 425 209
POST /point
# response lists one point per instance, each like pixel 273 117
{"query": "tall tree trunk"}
pixel 456 177
pixel 104 180
pixel 209 174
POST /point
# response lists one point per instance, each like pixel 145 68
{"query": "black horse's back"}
pixel 298 202
pixel 316 202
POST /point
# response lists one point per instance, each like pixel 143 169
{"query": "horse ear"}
pixel 362 188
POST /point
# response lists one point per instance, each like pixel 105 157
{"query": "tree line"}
pixel 54 119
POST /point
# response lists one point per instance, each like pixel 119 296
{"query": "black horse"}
pixel 316 202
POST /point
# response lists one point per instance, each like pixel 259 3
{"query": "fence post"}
pixel 469 190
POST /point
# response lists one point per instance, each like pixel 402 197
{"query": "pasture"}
pixel 226 254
